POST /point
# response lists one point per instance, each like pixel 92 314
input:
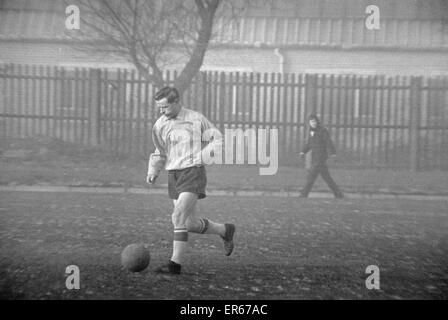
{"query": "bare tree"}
pixel 151 34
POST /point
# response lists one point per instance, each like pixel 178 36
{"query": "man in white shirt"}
pixel 178 136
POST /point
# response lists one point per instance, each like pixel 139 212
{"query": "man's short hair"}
pixel 170 93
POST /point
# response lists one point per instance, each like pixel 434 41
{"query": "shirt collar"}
pixel 176 116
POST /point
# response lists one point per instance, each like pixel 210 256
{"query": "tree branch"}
pixel 149 33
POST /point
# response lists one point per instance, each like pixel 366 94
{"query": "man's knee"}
pixel 179 217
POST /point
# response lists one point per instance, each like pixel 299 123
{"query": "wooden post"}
pixel 203 105
pixel 414 121
pixel 95 106
pixel 222 102
pixel 310 93
pixel 61 105
pixel 310 107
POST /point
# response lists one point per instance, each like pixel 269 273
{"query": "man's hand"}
pixel 302 155
pixel 151 178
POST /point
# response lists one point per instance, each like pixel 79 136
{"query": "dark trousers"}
pixel 321 169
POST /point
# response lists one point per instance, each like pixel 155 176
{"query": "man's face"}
pixel 313 123
pixel 168 109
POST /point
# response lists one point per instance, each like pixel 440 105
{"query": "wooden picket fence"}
pixel 375 121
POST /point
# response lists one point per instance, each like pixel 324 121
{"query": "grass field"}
pixel 286 248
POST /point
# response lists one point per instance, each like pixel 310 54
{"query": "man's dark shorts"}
pixel 191 179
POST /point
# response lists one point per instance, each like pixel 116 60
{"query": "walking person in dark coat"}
pixel 320 144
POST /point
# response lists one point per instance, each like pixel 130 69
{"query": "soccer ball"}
pixel 135 257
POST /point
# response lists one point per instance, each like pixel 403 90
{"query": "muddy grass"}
pixel 285 248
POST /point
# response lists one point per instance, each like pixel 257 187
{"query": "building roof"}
pixel 256 31
pixel 31 24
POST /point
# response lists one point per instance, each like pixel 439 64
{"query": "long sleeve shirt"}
pixel 319 143
pixel 181 141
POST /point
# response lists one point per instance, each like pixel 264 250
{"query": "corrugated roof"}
pixel 254 31
pixel 31 24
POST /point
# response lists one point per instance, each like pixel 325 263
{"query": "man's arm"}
pixel 157 159
pixel 306 147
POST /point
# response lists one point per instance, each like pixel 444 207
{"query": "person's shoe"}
pixel 169 268
pixel 228 238
pixel 301 195
pixel 339 196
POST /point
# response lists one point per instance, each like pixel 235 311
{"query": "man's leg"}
pixel 202 225
pixel 180 240
pixel 206 226
pixel 310 178
pixel 182 207
pixel 330 182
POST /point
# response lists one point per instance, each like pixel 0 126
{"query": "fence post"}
pixel 95 106
pixel 415 101
pixel 310 93
pixel 310 105
pixel 203 107
pixel 222 90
